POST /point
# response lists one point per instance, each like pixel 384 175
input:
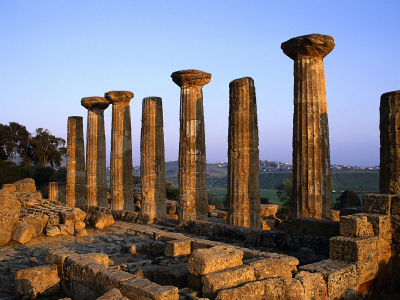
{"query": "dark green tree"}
pixel 10 172
pixel 347 199
pixel 14 141
pixel 136 180
pixel 47 150
pixel 284 193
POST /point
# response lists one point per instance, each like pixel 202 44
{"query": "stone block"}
pixel 57 257
pixel 335 215
pixel 66 229
pixel 139 288
pixel 222 214
pixel 73 266
pixel 271 267
pixel 9 187
pixel 381 225
pixel 283 288
pixel 89 272
pixel 178 247
pixel 174 275
pixel 268 210
pixel 76 290
pixel 211 209
pixel 9 215
pixel 35 221
pixel 356 226
pixel 99 220
pixel 314 285
pixel 377 203
pixel 353 249
pixel 367 270
pixel 173 216
pixel 338 275
pixel 52 231
pixel 292 261
pixel 252 290
pixel 311 226
pixel 319 244
pixel 204 261
pixel 203 244
pixel 23 232
pixel 114 294
pixel 272 238
pixel 37 281
pixel 268 224
pixel 194 282
pixel 111 278
pixel 82 233
pixel 79 225
pixel 25 185
pixel 395 205
pixel 224 279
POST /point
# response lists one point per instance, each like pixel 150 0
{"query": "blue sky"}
pixel 56 52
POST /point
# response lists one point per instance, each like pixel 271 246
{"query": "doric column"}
pixel 243 162
pixel 57 191
pixel 76 174
pixel 311 156
pixel 96 177
pixel 192 147
pixel 389 173
pixel 152 159
pixel 121 151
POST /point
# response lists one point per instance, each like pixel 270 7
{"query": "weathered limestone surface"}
pixel 389 125
pixel 76 174
pixel 243 159
pixel 9 214
pixel 152 164
pixel 58 191
pixel 121 151
pixel 96 178
pixel 192 148
pixel 311 154
pixel 25 185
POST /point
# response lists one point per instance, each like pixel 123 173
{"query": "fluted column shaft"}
pixel 152 159
pixel 193 200
pixel 243 156
pixel 96 177
pixel 389 172
pixel 311 194
pixel 76 174
pixel 121 151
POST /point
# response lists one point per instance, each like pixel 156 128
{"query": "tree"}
pixel 136 180
pixel 47 149
pixel 14 141
pixel 10 172
pixel 284 193
pixel 347 199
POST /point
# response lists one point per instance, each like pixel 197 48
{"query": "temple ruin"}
pixel 192 145
pixel 311 155
pixel 121 151
pixel 152 159
pixel 76 172
pixel 96 179
pixel 243 161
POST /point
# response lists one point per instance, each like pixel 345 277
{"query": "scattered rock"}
pixel 82 233
pixel 23 232
pixel 79 225
pixel 99 220
pixel 66 229
pixel 52 231
pixel 9 215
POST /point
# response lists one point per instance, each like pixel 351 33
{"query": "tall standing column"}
pixel 192 147
pixel 389 172
pixel 152 159
pixel 96 177
pixel 311 155
pixel 76 174
pixel 243 159
pixel 121 151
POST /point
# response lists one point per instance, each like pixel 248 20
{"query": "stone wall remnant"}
pixel 57 191
pixel 192 148
pixel 121 151
pixel 96 177
pixel 152 159
pixel 243 159
pixel 311 154
pixel 76 173
pixel 389 172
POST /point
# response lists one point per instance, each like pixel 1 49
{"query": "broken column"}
pixel 57 191
pixel 152 159
pixel 121 151
pixel 96 177
pixel 243 162
pixel 389 173
pixel 76 174
pixel 311 156
pixel 192 148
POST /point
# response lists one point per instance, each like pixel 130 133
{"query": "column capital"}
pixel 95 103
pixel 191 78
pixel 119 97
pixel 312 45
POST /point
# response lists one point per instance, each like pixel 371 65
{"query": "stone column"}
pixel 96 177
pixel 389 173
pixel 192 148
pixel 121 151
pixel 243 159
pixel 152 159
pixel 57 191
pixel 76 174
pixel 311 156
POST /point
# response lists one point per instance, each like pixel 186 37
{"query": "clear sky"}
pixel 53 53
